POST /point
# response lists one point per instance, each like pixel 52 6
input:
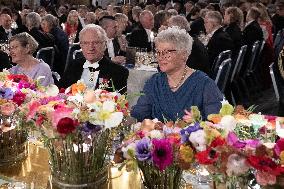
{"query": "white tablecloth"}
pixel 135 83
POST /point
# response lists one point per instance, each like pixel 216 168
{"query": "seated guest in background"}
pixel 233 21
pixel 73 26
pixel 218 39
pixel 177 87
pixel 49 24
pixel 113 51
pixel 197 26
pixel 94 68
pixel 142 36
pixel 33 21
pixel 278 18
pixel 198 58
pixel 122 24
pixel 252 31
pixel 135 16
pixel 90 18
pixel 22 47
pixel 5 61
pixel 6 31
pixel 160 19
pixel 279 75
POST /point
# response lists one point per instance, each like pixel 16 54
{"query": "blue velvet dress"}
pixel 159 101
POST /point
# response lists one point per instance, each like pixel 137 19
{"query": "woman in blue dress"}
pixel 177 87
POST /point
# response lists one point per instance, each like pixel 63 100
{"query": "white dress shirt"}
pixel 110 48
pixel 150 35
pixel 90 78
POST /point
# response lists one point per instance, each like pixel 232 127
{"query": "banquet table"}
pixel 136 81
pixel 34 173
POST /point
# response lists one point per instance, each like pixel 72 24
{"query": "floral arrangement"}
pixel 75 126
pixel 15 90
pixel 238 147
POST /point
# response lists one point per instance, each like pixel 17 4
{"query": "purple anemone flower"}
pixel 143 152
pixel 185 133
pixel 6 93
pixel 162 153
pixel 90 128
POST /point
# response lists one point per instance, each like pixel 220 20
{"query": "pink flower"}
pixel 162 153
pixel 59 113
pixel 264 178
pixel 7 109
pixel 33 107
pixel 279 146
pixel 237 165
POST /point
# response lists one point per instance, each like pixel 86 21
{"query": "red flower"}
pixel 207 157
pixel 66 125
pixel 18 77
pixel 61 90
pixel 265 164
pixel 219 141
pixel 19 98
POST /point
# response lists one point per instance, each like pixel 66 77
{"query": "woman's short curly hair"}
pixel 25 40
pixel 176 36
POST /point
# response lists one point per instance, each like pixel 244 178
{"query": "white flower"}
pixel 77 98
pixel 129 148
pixel 114 120
pixel 198 140
pixel 109 106
pixel 228 123
pixel 156 134
pixel 224 101
pixel 52 90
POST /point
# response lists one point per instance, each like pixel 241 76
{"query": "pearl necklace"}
pixel 181 79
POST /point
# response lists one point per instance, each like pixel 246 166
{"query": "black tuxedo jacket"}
pixel 139 38
pixel 108 70
pixel 220 41
pixel 235 33
pixel 4 35
pixel 196 27
pixel 198 59
pixel 43 39
pixel 252 33
pixel 116 48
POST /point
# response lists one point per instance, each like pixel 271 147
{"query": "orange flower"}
pixel 77 87
pixel 215 118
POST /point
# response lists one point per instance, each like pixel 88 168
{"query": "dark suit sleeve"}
pixel 120 78
pixel 5 62
pixel 72 74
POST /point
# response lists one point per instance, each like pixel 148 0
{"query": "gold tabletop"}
pixel 34 171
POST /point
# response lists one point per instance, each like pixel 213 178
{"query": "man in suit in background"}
pixel 95 68
pixel 6 31
pixel 218 39
pixel 142 36
pixel 252 31
pixel 113 50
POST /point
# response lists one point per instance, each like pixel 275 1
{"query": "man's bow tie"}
pixel 87 64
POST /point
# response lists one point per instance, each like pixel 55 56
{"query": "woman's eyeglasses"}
pixel 165 53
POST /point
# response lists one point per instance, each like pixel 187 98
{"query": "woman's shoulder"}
pixel 42 65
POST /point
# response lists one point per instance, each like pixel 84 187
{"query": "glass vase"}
pixel 13 142
pixel 79 161
pixel 153 178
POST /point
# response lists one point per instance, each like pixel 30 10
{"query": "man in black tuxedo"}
pixel 113 51
pixel 95 68
pixel 252 31
pixel 142 36
pixel 6 31
pixel 218 39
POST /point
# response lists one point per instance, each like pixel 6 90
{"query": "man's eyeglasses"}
pixel 92 43
pixel 165 53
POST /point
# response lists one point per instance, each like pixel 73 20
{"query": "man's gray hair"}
pixel 51 20
pixel 33 20
pixel 93 27
pixel 176 36
pixel 180 21
pixel 215 16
